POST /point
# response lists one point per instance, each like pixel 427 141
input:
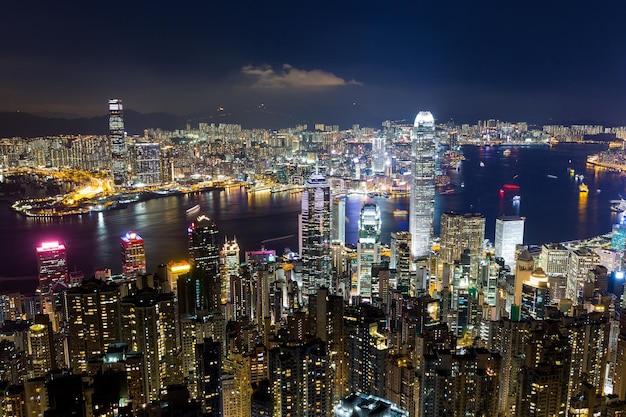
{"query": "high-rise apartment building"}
pixel 52 264
pixel 119 152
pixel 422 199
pixel 315 220
pixel 133 255
pixel 581 261
pixel 94 320
pixel 368 248
pixel 232 263
pixel 147 164
pixel 509 234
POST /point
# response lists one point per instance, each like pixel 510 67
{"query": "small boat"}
pixel 510 187
pixel 192 209
pixel 583 188
pixel 619 207
pixel 448 191
pixel 516 199
pixel 400 213
pixel 506 152
pixel 482 164
pixel 552 176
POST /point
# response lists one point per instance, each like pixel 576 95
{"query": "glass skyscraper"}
pixel 422 206
pixel 315 235
pixel 118 141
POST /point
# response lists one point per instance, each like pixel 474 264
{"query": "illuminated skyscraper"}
pixel 461 232
pixel 232 262
pixel 315 235
pixel 147 164
pixel 422 204
pixel 52 264
pixel 133 255
pixel 368 248
pixel 378 155
pixel 204 256
pixel 338 231
pixel 118 141
pixel 509 234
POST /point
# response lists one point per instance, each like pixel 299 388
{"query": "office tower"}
pixel 367 405
pixel 118 142
pixel 204 251
pixel 338 229
pixel 581 261
pixel 368 248
pixel 524 266
pixel 366 349
pixel 379 155
pixel 230 267
pixel 94 320
pixel 554 259
pixel 167 164
pixel 149 326
pixel 52 264
pixel 147 164
pixel 300 377
pixel 509 234
pixel 204 256
pixel 401 259
pixel 535 296
pixel 461 232
pixel 315 235
pixel 41 347
pixel 133 255
pixel 611 259
pixel 174 271
pixel 464 383
pixel 422 199
pixel 209 357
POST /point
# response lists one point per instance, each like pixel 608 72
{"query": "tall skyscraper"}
pixel 204 256
pixel 338 230
pixel 368 248
pixel 232 262
pixel 133 255
pixel 52 264
pixel 422 200
pixel 118 141
pixel 378 155
pixel 315 235
pixel 509 234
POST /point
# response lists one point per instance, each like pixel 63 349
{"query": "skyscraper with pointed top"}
pixel 422 199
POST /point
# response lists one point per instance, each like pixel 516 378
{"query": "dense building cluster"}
pixel 447 326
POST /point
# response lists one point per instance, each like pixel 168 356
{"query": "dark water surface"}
pixel 554 209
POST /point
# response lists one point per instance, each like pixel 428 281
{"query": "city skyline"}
pixel 349 63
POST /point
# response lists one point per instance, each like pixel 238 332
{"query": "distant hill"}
pixel 29 125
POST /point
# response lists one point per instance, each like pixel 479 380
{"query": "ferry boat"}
pixel 448 191
pixel 400 212
pixel 506 152
pixel 583 188
pixel 516 199
pixel 552 176
pixel 510 187
pixel 619 206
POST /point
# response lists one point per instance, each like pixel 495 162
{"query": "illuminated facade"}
pixel 422 199
pixel 379 155
pixel 315 235
pixel 52 264
pixel 133 255
pixel 118 141
pixel 230 267
pixel 460 233
pixel 368 248
pixel 509 234
pixel 147 164
pixel 204 256
pixel 367 405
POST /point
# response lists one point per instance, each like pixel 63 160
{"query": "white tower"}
pixel 422 206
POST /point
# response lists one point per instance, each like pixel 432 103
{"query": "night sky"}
pixel 333 62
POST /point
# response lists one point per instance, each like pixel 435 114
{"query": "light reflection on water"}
pixel 553 207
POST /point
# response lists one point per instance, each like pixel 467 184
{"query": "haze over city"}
pixel 346 62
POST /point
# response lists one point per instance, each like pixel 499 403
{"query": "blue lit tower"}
pixel 315 235
pixel 118 142
pixel 422 205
